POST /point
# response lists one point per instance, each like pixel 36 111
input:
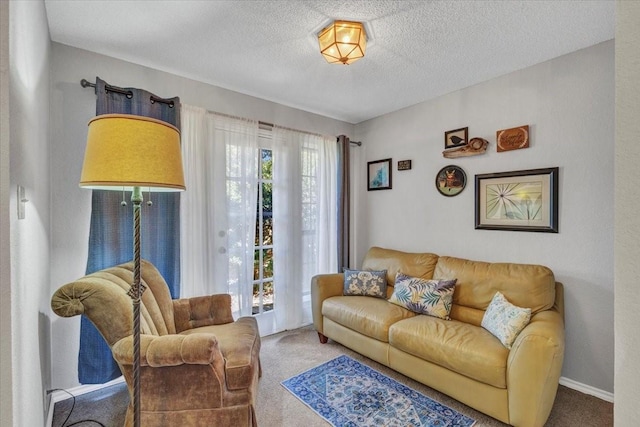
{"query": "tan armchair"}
pixel 199 367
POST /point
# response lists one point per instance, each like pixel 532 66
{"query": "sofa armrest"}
pixel 534 367
pixel 169 350
pixel 207 310
pixel 324 286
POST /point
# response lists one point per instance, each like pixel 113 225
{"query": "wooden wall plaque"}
pixel 512 139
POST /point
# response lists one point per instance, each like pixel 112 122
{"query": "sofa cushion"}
pixel 412 264
pixel 431 297
pixel 505 320
pixel 239 343
pixel 463 348
pixel 369 316
pixel 365 283
pixel 525 285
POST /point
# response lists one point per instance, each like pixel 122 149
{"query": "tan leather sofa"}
pixel 199 367
pixel 457 357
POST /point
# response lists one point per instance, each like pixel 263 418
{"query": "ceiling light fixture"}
pixel 343 42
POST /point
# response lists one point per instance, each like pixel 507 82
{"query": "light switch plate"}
pixel 21 201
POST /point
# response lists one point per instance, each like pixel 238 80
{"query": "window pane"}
pixel 233 167
pixel 256 265
pixel 255 307
pixel 267 299
pixel 267 203
pixel 267 229
pixel 267 164
pixel 306 189
pixel 256 241
pixel 234 194
pixel 263 257
pixel 267 263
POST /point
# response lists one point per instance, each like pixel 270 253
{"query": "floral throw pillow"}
pixel 366 283
pixel 505 320
pixel 431 297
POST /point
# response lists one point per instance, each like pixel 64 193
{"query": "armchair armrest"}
pixel 533 368
pixel 207 310
pixel 192 365
pixel 324 286
pixel 169 350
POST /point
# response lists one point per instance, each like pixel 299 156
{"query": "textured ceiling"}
pixel 418 49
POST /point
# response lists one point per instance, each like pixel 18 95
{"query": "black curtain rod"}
pixel 127 93
pixel 358 143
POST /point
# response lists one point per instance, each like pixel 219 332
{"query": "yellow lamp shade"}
pixel 125 151
pixel 343 42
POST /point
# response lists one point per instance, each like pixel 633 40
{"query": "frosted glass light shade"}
pixel 125 151
pixel 343 42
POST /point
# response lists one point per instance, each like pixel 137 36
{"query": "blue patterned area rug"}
pixel 347 393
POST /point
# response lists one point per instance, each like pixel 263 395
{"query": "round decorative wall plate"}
pixel 451 180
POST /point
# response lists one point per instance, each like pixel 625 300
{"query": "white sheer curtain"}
pixel 218 210
pixel 304 220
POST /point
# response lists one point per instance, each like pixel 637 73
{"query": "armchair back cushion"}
pixel 195 312
pixel 110 287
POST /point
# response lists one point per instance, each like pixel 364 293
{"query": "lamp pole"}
pixel 135 292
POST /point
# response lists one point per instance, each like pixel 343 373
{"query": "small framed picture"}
pixel 525 200
pixel 404 165
pixel 456 138
pixel 451 180
pixel 379 175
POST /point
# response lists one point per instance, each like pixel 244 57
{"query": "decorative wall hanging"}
pixel 456 138
pixel 475 147
pixel 512 139
pixel 524 200
pixel 451 180
pixel 379 175
pixel 404 165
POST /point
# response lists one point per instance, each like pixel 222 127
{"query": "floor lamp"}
pixel 133 153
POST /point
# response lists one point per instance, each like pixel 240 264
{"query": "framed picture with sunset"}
pixel 525 200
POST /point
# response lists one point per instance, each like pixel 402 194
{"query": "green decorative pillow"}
pixel 505 320
pixel 365 282
pixel 431 297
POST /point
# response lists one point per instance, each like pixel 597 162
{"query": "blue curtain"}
pixel 111 230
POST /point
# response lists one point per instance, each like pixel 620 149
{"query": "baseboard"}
pixel 60 395
pixel 586 389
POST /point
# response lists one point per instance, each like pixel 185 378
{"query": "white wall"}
pixel 72 107
pixel 29 55
pixel 627 223
pixel 6 382
pixel 569 105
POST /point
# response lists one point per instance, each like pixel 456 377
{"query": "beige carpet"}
pixel 289 353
